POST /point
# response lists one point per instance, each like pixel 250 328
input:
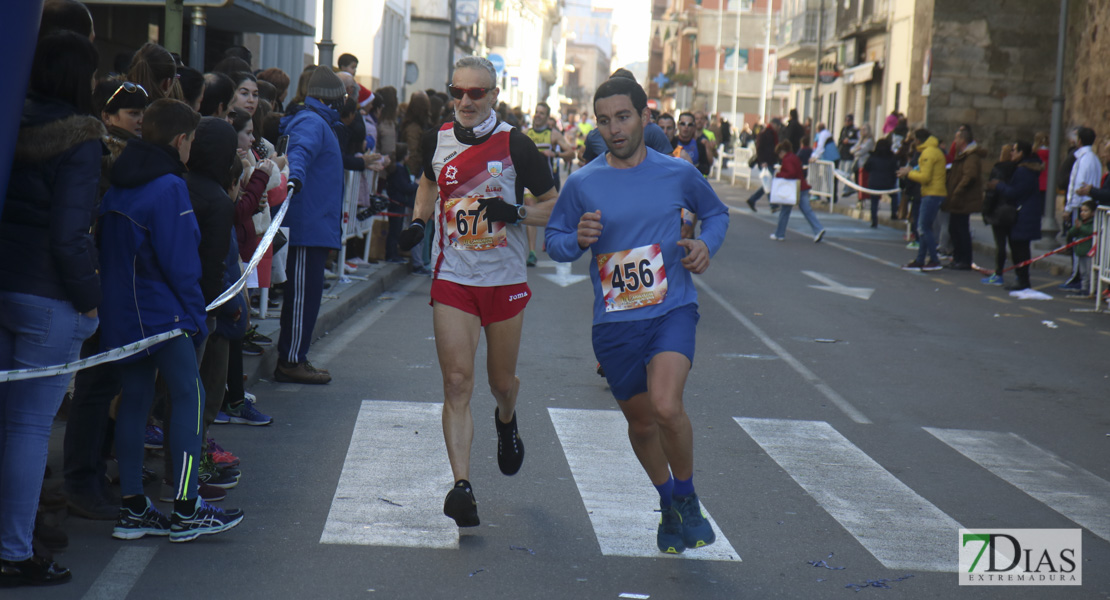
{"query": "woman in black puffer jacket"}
pixel 49 286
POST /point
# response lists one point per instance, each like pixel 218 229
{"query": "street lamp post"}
pixel 766 67
pixel 1049 226
pixel 717 56
pixel 736 66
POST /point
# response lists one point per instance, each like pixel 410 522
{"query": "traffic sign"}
pixel 498 62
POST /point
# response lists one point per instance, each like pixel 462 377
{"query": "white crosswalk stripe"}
pixel 390 492
pixel 895 524
pixel 392 484
pixel 617 494
pixel 1068 489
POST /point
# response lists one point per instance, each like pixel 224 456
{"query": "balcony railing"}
pixel 800 29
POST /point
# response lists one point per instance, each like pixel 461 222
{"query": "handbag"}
pixel 765 177
pixel 261 221
pixel 785 191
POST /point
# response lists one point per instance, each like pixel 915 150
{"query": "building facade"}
pixel 714 54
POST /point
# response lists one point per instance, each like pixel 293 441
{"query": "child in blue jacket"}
pixel 151 270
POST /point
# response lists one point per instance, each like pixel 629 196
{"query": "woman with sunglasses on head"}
pixel 121 105
pixel 474 176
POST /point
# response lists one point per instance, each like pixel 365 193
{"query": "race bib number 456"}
pixel 632 278
pixel 468 228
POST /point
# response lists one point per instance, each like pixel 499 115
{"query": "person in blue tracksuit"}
pixel 623 209
pixel 151 273
pixel 316 180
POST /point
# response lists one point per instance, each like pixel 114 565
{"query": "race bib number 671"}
pixel 632 278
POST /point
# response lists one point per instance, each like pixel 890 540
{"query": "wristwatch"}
pixel 520 212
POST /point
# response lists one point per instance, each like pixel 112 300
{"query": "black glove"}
pixel 295 185
pixel 497 209
pixel 411 236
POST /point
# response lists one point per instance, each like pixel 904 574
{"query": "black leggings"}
pixel 1001 236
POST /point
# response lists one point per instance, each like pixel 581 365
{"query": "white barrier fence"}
pixel 1100 265
pixel 358 187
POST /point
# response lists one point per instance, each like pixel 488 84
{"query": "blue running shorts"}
pixel 625 348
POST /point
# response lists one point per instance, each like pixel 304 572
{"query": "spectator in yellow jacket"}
pixel 930 173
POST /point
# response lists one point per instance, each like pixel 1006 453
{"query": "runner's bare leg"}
pixel 457 333
pixel 502 348
pixel 658 426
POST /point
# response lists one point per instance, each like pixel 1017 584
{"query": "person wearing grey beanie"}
pixel 325 86
pixel 316 186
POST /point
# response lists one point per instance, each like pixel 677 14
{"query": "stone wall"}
pixel 1087 66
pixel 993 68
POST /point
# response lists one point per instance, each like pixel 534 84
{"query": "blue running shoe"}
pixel 132 526
pixel 247 414
pixel 994 279
pixel 669 536
pixel 154 437
pixel 696 530
pixel 222 418
pixel 205 520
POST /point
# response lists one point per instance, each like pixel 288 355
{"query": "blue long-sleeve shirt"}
pixel 640 208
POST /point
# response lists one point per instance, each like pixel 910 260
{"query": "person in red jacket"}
pixel 792 169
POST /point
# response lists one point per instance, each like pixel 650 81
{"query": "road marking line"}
pixel 329 347
pixel 827 242
pixel 825 389
pixel 1070 321
pixel 997 299
pixel 121 574
pixel 1035 311
pixel 939 280
pixel 971 291
pixel 1068 489
pixel 393 481
pixel 895 524
pixel 622 505
pixel 863 254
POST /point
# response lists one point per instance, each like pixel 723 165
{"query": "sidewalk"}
pixel 983 246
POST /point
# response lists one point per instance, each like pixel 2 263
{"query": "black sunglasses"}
pixel 685 124
pixel 128 87
pixel 475 93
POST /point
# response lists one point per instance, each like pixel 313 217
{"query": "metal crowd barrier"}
pixel 821 181
pixel 1100 266
pixel 358 186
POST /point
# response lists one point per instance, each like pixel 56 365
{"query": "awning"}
pixel 860 73
pixel 245 16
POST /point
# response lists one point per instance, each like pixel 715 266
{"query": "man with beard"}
pixel 622 209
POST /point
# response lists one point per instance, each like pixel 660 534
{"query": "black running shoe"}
pixel 461 506
pixel 205 520
pixel 132 526
pixel 510 448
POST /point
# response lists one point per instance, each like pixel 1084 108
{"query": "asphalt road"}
pixel 861 424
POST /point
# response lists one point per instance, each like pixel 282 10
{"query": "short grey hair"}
pixel 480 63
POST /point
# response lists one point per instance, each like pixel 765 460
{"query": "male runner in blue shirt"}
pixel 624 209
